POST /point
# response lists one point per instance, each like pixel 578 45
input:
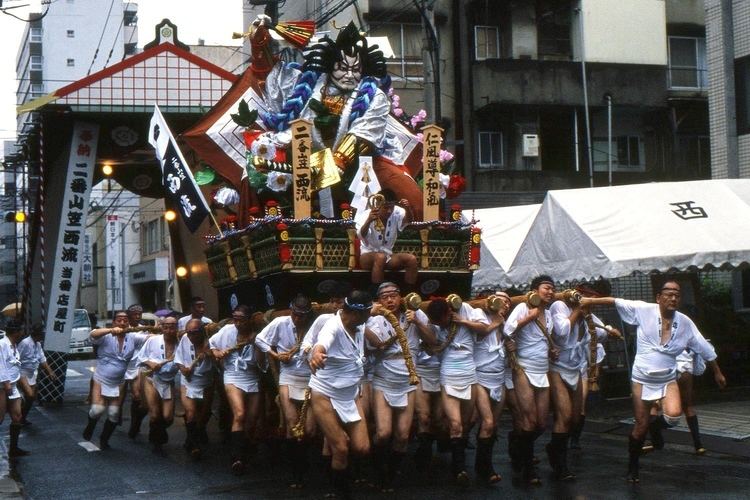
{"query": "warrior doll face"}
pixel 347 73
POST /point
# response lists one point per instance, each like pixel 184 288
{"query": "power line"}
pixel 104 30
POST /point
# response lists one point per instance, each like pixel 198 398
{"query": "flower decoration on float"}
pixel 278 181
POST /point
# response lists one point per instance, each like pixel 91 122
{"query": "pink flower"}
pixel 445 156
pixel 398 112
pixel 422 114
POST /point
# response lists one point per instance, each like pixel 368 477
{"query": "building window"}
pixel 553 28
pixel 687 62
pixel 71 62
pixel 742 93
pixel 71 33
pixel 406 42
pixel 490 149
pixel 153 242
pixel 164 233
pixel 627 154
pixel 486 42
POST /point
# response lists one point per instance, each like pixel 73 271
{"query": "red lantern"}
pixel 346 211
pixel 285 251
pixel 272 208
pixel 455 212
pixel 476 241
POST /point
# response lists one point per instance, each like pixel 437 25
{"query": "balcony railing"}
pixel 682 78
pixel 36 35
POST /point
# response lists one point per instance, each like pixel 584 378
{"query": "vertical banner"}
pixel 113 257
pixel 433 138
pixel 87 271
pixel 66 269
pixel 179 184
pixel 301 171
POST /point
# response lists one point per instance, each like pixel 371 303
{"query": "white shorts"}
pixel 109 390
pixel 458 392
pixel 163 388
pixel 29 376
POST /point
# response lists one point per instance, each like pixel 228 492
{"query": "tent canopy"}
pixel 503 231
pixel 614 231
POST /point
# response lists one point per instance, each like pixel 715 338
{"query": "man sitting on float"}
pixel 378 231
pixel 341 89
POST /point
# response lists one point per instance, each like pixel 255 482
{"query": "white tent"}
pixel 503 231
pixel 614 231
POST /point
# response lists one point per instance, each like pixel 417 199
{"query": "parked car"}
pixel 80 343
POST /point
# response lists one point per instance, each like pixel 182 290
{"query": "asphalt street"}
pixel 60 467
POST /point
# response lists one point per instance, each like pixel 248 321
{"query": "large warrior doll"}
pixel 340 88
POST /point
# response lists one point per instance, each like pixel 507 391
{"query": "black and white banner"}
pixel 179 185
pixel 66 270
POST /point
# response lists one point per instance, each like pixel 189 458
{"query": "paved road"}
pixel 60 468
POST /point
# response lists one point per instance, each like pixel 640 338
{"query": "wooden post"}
pixel 433 138
pixel 301 171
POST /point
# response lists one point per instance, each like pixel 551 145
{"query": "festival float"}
pixel 321 139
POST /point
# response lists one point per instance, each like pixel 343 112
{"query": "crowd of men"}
pixel 355 378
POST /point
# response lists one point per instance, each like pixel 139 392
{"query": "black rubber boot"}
pixel 109 428
pixel 634 452
pixel 695 432
pixel 514 452
pixel 380 464
pixel 15 451
pixel 483 461
pixel 655 426
pixel 458 461
pixel 137 414
pixel 88 432
pixel 423 455
pixel 330 489
pixel 237 445
pixel 575 433
pixel 526 445
pixel 559 445
pixel 394 466
pixel 341 484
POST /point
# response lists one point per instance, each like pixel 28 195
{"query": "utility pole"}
pixel 431 55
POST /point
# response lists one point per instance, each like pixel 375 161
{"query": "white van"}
pixel 79 336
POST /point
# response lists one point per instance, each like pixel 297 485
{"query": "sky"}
pixel 213 21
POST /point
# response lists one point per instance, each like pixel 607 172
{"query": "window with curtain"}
pixel 486 42
pixel 687 62
pixel 490 149
pixel 406 41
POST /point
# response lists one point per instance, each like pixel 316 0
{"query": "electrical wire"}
pixel 104 30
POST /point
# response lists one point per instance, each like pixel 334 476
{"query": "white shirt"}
pixel 182 322
pixel 344 362
pixel 381 241
pixel 489 351
pixel 282 334
pixel 531 344
pixel 457 366
pixel 184 355
pixel 112 361
pixel 656 363
pixel 573 352
pixel 238 361
pixel 155 350
pixel 31 354
pixel 10 363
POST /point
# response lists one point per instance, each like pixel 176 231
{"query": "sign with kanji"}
pixel 302 185
pixel 113 242
pixel 180 187
pixel 433 139
pixel 70 253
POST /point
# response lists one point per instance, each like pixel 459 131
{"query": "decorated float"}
pixel 320 140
